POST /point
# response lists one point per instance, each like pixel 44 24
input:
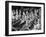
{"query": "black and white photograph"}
pixel 24 18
